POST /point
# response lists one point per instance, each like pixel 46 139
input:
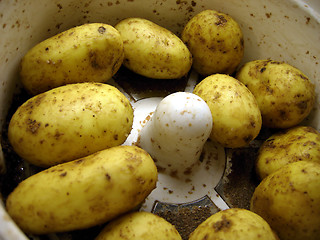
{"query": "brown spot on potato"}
pixel 248 138
pixel 108 177
pixel 217 95
pixel 262 69
pixel 31 104
pixel 94 60
pixel 101 30
pixel 115 137
pixel 141 180
pixel 283 114
pixel 221 20
pixel 33 126
pixel 303 77
pixel 78 161
pixel 269 90
pixel 302 105
pixel 311 130
pixel 275 62
pixel 223 225
pixel 269 143
pixel 253 124
pixel 58 135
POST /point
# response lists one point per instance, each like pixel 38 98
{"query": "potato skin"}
pixel 285 95
pixel 153 51
pixel 235 113
pixel 233 223
pixel 70 122
pixel 90 52
pixel 216 42
pixel 139 226
pixel 289 201
pixel 84 192
pixel 288 146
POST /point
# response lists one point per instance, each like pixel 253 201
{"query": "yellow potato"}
pixel 233 224
pixel 70 122
pixel 84 192
pixel 139 226
pixel 291 145
pixel 289 200
pixel 284 94
pixel 153 51
pixel 235 113
pixel 216 42
pixel 87 53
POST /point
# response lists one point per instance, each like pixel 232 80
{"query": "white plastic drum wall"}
pixel 284 30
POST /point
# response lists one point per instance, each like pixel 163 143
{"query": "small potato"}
pixel 83 193
pixel 87 53
pixel 70 122
pixel 288 146
pixel 139 226
pixel 235 112
pixel 289 200
pixel 233 224
pixel 216 42
pixel 153 51
pixel 285 95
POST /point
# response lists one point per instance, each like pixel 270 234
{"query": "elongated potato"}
pixel 289 200
pixel 84 192
pixel 284 94
pixel 288 146
pixel 139 226
pixel 234 224
pixel 70 122
pixel 87 53
pixel 235 113
pixel 215 41
pixel 153 51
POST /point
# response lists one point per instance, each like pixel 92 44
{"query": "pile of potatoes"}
pixel 75 124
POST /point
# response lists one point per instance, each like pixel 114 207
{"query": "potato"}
pixel 70 122
pixel 285 95
pixel 87 53
pixel 153 51
pixel 289 200
pixel 233 223
pixel 84 192
pixel 216 42
pixel 235 112
pixel 139 226
pixel 287 146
